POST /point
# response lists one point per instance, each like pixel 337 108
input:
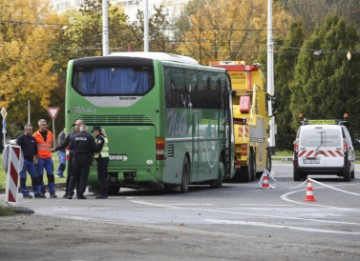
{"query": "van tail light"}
pixel 296 146
pixel 346 146
pixel 243 149
pixel 160 149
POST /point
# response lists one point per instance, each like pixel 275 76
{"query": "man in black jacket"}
pixel 29 148
pixel 83 147
pixel 65 145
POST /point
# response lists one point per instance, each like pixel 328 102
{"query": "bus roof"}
pixel 158 56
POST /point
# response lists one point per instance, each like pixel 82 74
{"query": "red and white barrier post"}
pixel 13 161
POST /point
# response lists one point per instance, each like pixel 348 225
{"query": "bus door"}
pixel 195 146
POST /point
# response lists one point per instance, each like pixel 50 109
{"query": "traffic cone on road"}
pixel 265 182
pixel 309 192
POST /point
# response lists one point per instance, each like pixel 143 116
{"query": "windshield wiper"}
pixel 321 140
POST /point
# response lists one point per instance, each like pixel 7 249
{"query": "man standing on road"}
pixel 61 154
pixel 82 146
pixel 44 141
pixel 29 148
pixel 102 159
pixel 65 145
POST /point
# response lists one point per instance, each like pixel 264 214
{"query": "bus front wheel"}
pixel 185 178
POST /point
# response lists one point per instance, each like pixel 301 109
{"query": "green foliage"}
pixel 284 62
pixel 6 211
pixel 326 84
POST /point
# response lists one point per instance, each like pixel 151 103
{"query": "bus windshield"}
pixel 112 80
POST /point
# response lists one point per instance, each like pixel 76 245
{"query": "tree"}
pixel 285 60
pixel 228 29
pixel 159 31
pixel 326 84
pixel 314 12
pixel 27 30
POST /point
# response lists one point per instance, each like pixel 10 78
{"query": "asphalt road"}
pixel 253 223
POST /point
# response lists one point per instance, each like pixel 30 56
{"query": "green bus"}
pixel 167 118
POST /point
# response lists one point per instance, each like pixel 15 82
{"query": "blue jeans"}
pixel 48 165
pixel 62 164
pixel 29 167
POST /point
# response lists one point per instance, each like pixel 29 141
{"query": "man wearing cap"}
pixel 102 159
pixel 65 145
pixel 82 147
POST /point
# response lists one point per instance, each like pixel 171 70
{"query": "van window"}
pixel 323 137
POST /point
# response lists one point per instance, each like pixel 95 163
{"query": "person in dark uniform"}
pixel 83 147
pixel 65 145
pixel 102 159
pixel 29 148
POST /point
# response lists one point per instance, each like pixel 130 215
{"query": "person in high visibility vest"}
pixel 44 141
pixel 102 159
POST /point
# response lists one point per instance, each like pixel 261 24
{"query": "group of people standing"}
pixel 84 148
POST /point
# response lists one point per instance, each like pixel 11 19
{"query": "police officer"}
pixel 83 147
pixel 102 159
pixel 29 148
pixel 65 144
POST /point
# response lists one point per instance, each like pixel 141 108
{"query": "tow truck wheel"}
pixel 184 188
pixel 252 166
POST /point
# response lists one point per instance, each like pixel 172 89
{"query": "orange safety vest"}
pixel 42 146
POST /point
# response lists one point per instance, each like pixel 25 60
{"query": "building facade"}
pixel 172 8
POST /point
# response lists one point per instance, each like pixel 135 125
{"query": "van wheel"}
pixel 347 175
pixel 296 175
pixel 185 179
pixel 217 183
pixel 352 174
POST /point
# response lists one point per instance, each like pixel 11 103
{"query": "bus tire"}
pixel 185 177
pixel 114 190
pixel 217 183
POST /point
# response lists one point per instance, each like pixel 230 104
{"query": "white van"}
pixel 323 149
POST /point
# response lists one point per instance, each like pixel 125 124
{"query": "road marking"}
pixel 245 213
pixel 261 224
pixel 285 198
pixel 264 205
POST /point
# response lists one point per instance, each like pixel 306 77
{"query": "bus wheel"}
pixel 252 166
pixel 114 190
pixel 185 176
pixel 217 183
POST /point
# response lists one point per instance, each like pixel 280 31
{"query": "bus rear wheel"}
pixel 114 190
pixel 185 178
pixel 217 183
pixel 252 166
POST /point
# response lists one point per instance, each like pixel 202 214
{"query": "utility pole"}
pixel 270 74
pixel 105 29
pixel 146 26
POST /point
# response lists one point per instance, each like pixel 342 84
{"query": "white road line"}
pixel 245 213
pixel 261 224
pixel 285 198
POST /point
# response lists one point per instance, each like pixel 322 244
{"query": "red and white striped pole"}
pixel 13 161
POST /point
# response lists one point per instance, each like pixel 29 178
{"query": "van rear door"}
pixel 321 146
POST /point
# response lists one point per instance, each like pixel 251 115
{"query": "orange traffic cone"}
pixel 265 182
pixel 309 192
